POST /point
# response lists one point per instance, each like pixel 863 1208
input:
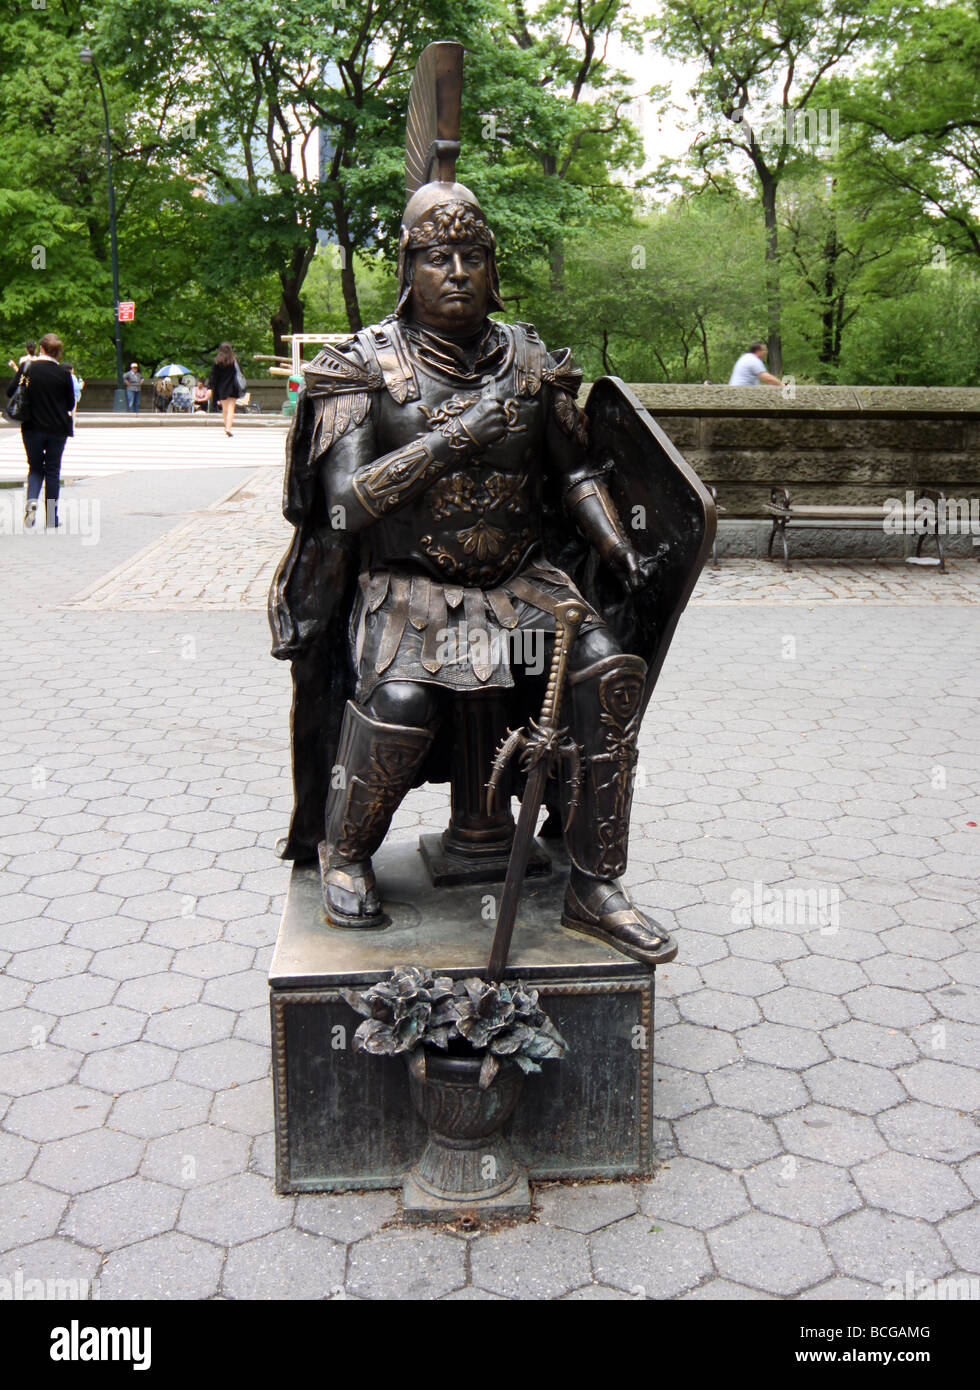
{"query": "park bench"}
pixel 907 521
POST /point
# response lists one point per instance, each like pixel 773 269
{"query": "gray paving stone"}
pixel 844 1291
pixel 962 1237
pixel 692 1048
pixel 830 1136
pixel 761 1089
pixel 67 1271
pixel 222 1064
pixel 348 1217
pixel 585 1207
pixel 190 1026
pixel 802 1190
pixel 120 1213
pixel 649 1259
pixel 915 1187
pixel 928 1131
pixel 165 991
pixel 766 944
pixel 877 1247
pixel 949 1040
pixel 246 1108
pixel 30 1069
pixel 28 1213
pixel 802 1008
pixel 957 1001
pixel 917 975
pixel 153 1111
pixel 95 1029
pixel 57 1113
pixel 243 990
pixel 406 1265
pixel 942 1083
pixel 196 1156
pixel 768 1252
pixel 88 1160
pixel 825 973
pixel 779 1045
pixel 854 1086
pixel 16 1157
pixel 236 1209
pixel 285 1265
pixel 131 962
pixel 741 976
pixel 167 1266
pixel 678 1092
pixel 724 1291
pixel 530 1262
pixel 716 1010
pixel 691 1193
pixel 588 1293
pixel 127 1068
pixel 869 1042
pixel 729 1138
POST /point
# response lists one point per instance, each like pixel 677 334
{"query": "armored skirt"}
pixel 410 627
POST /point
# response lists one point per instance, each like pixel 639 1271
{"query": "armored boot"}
pixel 603 706
pixel 376 765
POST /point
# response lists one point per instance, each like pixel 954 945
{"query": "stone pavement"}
pixel 815 848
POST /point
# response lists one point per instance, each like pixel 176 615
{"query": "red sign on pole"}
pixel 127 310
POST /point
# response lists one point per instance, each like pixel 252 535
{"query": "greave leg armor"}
pixel 376 766
pixel 604 708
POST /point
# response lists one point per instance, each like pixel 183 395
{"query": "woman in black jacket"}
pixel 225 384
pixel 45 425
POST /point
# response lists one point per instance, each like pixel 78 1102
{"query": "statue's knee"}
pixel 593 646
pixel 403 702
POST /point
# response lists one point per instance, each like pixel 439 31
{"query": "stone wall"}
pixel 829 444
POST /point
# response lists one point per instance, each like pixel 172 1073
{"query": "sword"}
pixel 540 747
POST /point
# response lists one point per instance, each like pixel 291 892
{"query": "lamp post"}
pixel 119 394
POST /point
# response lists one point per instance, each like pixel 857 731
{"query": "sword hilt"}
pixel 568 616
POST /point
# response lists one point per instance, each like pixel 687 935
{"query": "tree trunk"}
pixel 773 305
pixel 348 286
pixel 289 316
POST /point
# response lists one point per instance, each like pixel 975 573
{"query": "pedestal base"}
pixel 447 869
pixel 345 1120
pixel 512 1205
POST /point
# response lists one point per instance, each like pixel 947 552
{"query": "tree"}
pixel 764 68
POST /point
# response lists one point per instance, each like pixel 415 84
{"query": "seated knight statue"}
pixel 436 468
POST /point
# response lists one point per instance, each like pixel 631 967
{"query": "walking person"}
pixel 227 383
pixel 750 369
pixel 134 382
pixel 29 353
pixel 46 424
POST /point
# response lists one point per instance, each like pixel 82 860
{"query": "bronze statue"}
pixel 445 487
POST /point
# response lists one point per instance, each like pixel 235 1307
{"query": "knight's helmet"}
pixel 440 211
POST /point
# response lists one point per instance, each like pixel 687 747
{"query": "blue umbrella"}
pixel 173 369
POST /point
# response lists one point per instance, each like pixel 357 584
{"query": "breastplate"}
pixel 474 524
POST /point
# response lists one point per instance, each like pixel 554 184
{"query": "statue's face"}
pixel 450 287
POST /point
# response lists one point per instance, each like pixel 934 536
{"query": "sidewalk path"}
pixel 816 1065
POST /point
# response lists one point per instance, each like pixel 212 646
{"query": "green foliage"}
pixel 928 337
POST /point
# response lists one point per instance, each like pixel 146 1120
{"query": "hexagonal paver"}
pixel 285 1265
pixel 695 1049
pixel 121 1213
pixel 692 1193
pixel 942 1083
pixel 234 1209
pixel 57 1113
pixel 783 1257
pixel 854 1086
pixel 802 1008
pixel 88 1160
pixel 196 1156
pixel 760 1089
pixel 929 1131
pixel 66 1270
pixel 962 1237
pixel 649 1259
pixel 166 1266
pixel 802 1190
pixel 879 1247
pixel 916 1187
pixel 28 1213
pixel 778 1045
pixel 156 1110
pixel 829 1135
pixel 127 1068
pixel 585 1208
pixel 194 1025
pixel 223 1064
pixel 247 1108
pixel 130 962
pixel 36 1068
pixel 95 1029
pixel 409 1265
pixel 729 1138
pixel 530 1262
pixel 868 1042
pixel 892 1008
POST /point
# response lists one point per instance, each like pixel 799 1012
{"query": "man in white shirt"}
pixel 749 370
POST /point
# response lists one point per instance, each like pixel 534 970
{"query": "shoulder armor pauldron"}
pixel 562 372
